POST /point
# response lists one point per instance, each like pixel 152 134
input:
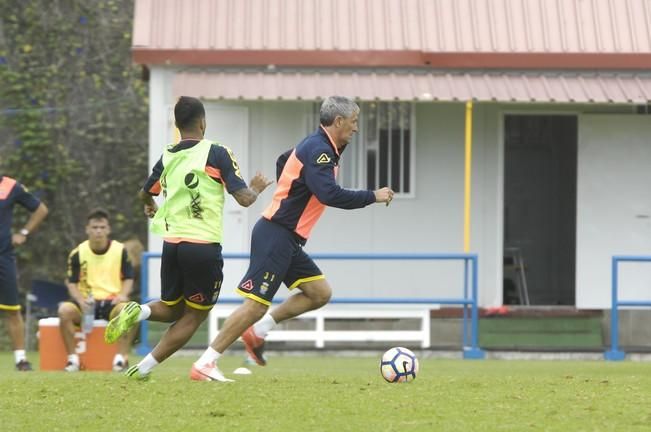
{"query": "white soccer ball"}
pixel 399 365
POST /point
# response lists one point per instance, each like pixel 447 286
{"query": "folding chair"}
pixel 43 301
pixel 515 270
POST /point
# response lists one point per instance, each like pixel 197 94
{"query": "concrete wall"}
pixel 634 329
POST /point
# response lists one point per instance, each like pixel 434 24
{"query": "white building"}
pixel 561 129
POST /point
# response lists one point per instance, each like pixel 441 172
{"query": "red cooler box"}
pixel 94 353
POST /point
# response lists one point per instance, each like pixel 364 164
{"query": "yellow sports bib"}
pixel 100 274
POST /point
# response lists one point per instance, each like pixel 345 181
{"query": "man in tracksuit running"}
pixel 306 185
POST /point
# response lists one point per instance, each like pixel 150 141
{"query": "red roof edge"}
pixel 541 61
pixel 279 58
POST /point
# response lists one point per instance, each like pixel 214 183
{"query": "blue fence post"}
pixel 143 347
pixel 464 338
pixel 474 352
pixel 614 354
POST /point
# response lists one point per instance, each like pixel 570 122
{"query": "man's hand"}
pixel 384 195
pixel 150 210
pixel 259 182
pixel 247 196
pixel 17 239
pixel 149 205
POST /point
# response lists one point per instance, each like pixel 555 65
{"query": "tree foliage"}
pixel 73 121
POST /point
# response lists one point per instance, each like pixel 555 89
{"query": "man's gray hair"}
pixel 334 106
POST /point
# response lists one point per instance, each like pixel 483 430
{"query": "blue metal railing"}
pixel 614 354
pixel 471 349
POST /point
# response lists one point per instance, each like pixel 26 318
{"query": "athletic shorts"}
pixel 103 309
pixel 8 284
pixel 191 272
pixel 277 256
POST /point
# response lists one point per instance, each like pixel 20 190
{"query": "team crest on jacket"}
pixel 323 159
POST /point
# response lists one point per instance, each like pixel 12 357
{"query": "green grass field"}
pixel 331 393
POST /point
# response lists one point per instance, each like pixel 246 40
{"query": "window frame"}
pixel 363 149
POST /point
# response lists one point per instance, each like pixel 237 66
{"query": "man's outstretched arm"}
pixel 248 195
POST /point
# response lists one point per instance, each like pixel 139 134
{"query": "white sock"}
pixel 19 355
pixel 145 312
pixel 73 358
pixel 262 327
pixel 208 356
pixel 147 364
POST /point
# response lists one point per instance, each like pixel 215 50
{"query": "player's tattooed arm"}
pixel 247 196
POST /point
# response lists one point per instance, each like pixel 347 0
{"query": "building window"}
pixel 386 138
pixel 381 153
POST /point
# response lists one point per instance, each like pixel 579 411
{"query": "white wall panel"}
pixel 614 206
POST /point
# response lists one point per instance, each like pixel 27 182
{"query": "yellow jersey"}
pixel 101 274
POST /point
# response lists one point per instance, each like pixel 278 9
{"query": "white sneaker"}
pixel 71 367
pixel 208 372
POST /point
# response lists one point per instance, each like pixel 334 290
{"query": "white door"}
pixel 229 126
pixel 613 207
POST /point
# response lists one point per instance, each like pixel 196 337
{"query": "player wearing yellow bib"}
pixel 193 176
pixel 99 267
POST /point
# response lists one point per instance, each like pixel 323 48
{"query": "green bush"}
pixel 73 121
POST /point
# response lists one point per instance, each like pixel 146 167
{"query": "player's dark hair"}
pixel 97 213
pixel 187 112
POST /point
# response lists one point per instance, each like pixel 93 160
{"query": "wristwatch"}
pixel 24 232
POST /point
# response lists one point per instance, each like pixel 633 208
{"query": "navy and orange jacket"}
pixel 306 185
pixel 12 192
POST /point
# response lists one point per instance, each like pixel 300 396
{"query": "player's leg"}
pixel 13 318
pixel 305 275
pixel 132 313
pixel 168 309
pixel 176 336
pixel 160 311
pixel 272 248
pixel 69 320
pixel 179 333
pixel 107 311
pixel 200 266
pixel 16 329
pixel 314 294
pixel 205 368
pixel 235 325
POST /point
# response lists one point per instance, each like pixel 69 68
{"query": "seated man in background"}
pixel 98 267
